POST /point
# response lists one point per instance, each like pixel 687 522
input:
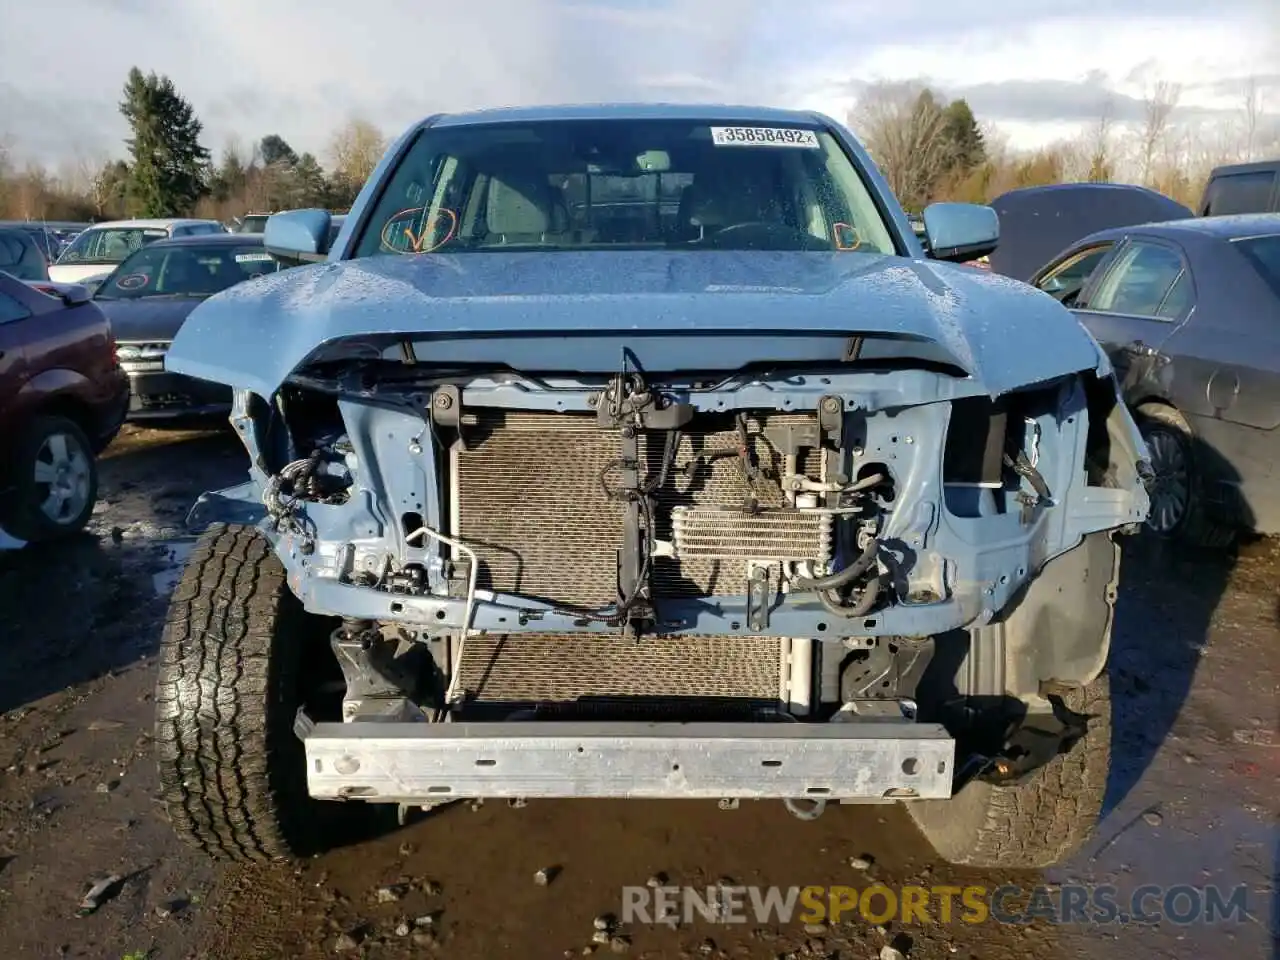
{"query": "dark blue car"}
pixel 147 299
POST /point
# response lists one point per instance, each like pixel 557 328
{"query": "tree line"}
pixel 167 171
pixel 928 147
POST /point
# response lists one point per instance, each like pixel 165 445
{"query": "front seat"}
pixel 522 207
pixel 713 202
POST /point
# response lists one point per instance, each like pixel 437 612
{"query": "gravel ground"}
pixel 1195 672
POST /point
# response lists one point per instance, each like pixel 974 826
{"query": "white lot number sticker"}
pixel 252 257
pixel 763 137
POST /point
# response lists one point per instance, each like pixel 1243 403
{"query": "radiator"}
pixel 529 501
pixel 667 674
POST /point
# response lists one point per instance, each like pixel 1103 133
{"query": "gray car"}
pixel 1190 312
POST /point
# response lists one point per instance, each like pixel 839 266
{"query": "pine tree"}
pixel 312 189
pixel 275 149
pixel 170 169
pixel 968 150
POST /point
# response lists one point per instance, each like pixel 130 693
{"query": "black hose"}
pixel 860 607
pixel 1023 468
pixel 860 565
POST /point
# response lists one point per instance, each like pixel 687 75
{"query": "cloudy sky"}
pixel 301 67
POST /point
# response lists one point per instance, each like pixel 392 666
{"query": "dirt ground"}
pixel 1194 799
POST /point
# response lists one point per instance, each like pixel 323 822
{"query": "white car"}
pixel 98 250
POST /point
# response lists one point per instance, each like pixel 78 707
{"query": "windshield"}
pixel 109 244
pixel 624 184
pixel 186 270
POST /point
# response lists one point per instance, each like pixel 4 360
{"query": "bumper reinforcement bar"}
pixel 419 763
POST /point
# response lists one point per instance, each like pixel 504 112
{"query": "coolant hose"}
pixel 861 564
pixel 860 607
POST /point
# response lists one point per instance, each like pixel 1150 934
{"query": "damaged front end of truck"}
pixel 823 560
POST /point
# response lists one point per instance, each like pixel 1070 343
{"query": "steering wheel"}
pixel 777 235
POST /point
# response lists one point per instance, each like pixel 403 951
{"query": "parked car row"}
pixel 96 252
pixel 1135 266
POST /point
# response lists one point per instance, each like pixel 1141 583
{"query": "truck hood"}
pixel 999 331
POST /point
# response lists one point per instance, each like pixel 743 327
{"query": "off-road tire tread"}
pixel 1197 528
pixel 1045 819
pixel 19 518
pixel 231 769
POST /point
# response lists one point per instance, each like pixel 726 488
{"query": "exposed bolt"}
pixel 832 405
pixel 415 447
pixel 443 401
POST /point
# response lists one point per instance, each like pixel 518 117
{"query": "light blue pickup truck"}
pixel 641 451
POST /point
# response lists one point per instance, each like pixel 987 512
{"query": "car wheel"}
pixel 1177 500
pixel 54 478
pixel 237 659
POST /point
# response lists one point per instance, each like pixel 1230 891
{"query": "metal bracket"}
pixel 790 439
pixel 631 555
pixel 447 411
pixel 628 400
pixel 377 687
pixel 758 595
pixel 831 418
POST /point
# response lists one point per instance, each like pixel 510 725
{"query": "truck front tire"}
pixel 1057 632
pixel 1036 823
pixel 231 679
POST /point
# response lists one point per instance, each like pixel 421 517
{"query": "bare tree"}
pixel 1100 145
pixel 1074 158
pixel 904 129
pixel 1253 109
pixel 355 150
pixel 1158 111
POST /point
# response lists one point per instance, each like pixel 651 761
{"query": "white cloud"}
pixel 300 67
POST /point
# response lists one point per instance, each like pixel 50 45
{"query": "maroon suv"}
pixel 63 397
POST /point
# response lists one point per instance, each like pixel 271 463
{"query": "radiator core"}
pixel 529 501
